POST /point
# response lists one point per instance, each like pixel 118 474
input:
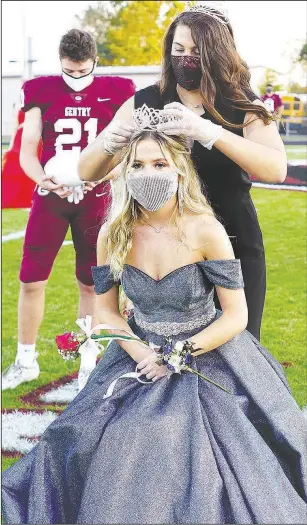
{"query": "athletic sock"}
pixel 25 354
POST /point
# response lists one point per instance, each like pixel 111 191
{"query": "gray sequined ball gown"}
pixel 180 450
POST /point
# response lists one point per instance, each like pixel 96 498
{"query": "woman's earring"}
pixel 180 198
pixel 134 210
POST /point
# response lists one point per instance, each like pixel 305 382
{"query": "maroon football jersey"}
pixel 272 102
pixel 71 119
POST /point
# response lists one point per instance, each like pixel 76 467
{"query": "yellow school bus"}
pixel 295 112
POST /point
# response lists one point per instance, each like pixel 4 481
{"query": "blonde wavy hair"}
pixel 125 212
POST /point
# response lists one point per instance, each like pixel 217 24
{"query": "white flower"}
pixel 179 346
pixel 175 361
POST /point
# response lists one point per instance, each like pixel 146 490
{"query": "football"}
pixel 63 168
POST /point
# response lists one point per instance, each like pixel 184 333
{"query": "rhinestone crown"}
pixel 148 118
pixel 216 10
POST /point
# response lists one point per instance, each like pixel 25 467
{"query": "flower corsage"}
pixel 178 357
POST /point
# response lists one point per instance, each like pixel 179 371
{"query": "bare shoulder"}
pixel 210 237
pixel 202 222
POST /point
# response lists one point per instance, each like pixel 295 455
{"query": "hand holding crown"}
pixel 116 136
pixel 182 121
pixel 175 119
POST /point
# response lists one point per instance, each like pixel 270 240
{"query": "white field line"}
pixel 19 235
pixel 13 236
pixel 279 186
pixel 295 149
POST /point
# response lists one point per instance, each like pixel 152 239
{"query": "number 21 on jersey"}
pixel 90 127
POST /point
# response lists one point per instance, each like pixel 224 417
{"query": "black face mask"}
pixel 187 71
pixel 269 90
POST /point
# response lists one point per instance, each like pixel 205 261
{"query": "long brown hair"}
pixel 225 77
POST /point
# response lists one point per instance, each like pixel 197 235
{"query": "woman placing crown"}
pixel 215 436
pixel 206 84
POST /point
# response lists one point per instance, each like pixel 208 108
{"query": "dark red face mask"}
pixel 187 71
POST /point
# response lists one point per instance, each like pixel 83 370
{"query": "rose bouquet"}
pixel 88 345
pixel 68 345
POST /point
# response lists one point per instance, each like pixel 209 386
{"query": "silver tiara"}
pixel 216 10
pixel 149 118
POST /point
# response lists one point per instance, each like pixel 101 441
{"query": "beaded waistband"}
pixel 173 328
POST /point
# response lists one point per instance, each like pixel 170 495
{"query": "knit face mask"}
pixel 152 190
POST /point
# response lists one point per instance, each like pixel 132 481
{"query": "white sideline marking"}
pixel 13 236
pixel 19 427
pixel 21 234
pixel 295 149
pixel 297 162
pixel 279 186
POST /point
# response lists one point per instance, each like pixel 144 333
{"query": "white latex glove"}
pixel 77 194
pixel 116 136
pixel 190 125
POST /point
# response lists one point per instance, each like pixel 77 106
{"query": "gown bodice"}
pixel 179 302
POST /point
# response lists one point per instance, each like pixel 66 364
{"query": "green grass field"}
pixel 282 215
pixel 296 152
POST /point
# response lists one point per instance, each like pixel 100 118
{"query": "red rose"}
pixel 67 342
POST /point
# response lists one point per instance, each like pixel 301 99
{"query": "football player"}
pixel 66 112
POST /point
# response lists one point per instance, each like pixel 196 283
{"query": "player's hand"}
pixel 116 136
pixel 48 184
pixel 77 194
